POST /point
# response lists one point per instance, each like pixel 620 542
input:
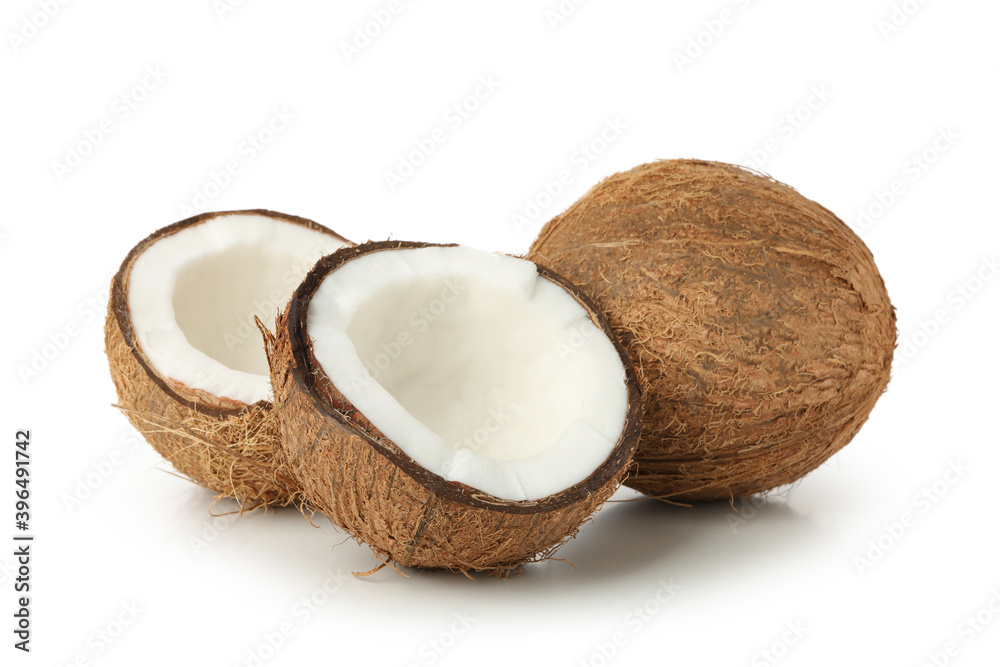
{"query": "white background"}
pixel 829 557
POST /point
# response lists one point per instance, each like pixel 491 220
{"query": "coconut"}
pixel 451 408
pixel 185 353
pixel 760 326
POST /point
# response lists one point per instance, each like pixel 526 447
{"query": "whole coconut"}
pixel 760 327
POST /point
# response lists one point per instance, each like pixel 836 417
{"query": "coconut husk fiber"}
pixel 224 445
pixel 760 327
pixel 364 483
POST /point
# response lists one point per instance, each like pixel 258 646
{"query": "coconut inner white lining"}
pixel 479 369
pixel 193 297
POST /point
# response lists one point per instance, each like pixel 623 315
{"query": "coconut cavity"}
pixel 478 368
pixel 449 407
pixel 186 355
pixel 759 324
pixel 193 297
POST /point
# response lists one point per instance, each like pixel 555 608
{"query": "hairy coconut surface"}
pixel 760 327
pixel 222 443
pixel 368 485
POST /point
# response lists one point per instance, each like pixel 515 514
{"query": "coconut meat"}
pixel 481 370
pixel 193 297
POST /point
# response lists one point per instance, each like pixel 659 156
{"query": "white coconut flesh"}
pixel 478 368
pixel 193 297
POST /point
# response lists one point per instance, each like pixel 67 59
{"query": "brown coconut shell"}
pixel 760 326
pixel 368 486
pixel 222 444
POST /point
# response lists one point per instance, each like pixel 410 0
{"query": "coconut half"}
pixel 451 408
pixel 761 328
pixel 186 356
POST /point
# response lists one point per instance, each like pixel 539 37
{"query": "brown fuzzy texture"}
pixel 224 445
pixel 368 486
pixel 760 326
